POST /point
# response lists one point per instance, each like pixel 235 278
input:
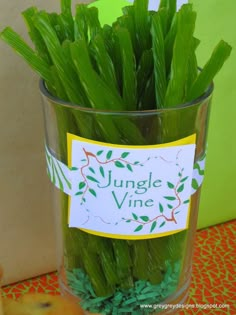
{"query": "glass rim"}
pixel 44 91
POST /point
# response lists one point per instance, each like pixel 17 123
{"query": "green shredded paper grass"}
pixel 124 301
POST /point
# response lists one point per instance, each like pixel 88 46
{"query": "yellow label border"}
pixel 184 141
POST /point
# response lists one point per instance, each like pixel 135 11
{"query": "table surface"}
pixel 213 283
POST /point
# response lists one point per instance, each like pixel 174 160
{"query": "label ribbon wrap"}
pixel 128 192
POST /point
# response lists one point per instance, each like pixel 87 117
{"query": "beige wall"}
pixel 27 244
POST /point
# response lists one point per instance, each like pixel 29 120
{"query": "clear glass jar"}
pixel 119 275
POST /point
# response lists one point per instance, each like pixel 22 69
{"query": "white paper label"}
pixel 130 192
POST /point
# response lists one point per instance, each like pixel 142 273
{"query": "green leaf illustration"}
pixel 73 168
pixel 109 154
pixel 177 212
pixel 124 155
pixel 99 152
pixel 82 185
pixel 49 159
pixel 92 179
pixel 59 178
pixel 186 201
pixel 92 192
pixel 170 206
pixel 202 157
pixel 83 199
pixel 128 221
pixel 170 198
pixel 144 218
pixel 154 224
pixel 170 185
pixel 53 174
pixel 79 193
pixel 129 167
pixel 179 174
pixel 139 228
pixel 162 224
pixel 181 188
pixel 119 164
pixel 161 208
pixel 195 184
pixel 68 183
pixel 91 170
pixel 137 162
pixel 48 172
pixel 135 216
pixel 101 169
pixel 184 179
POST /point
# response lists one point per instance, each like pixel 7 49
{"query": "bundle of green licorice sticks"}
pixel 144 61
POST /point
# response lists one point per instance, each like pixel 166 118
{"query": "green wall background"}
pixel 216 20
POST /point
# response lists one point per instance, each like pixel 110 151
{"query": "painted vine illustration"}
pixel 176 189
pixel 120 162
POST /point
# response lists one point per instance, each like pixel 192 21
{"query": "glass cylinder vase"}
pixel 127 188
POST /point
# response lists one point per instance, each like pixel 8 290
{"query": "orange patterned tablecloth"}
pixel 213 280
